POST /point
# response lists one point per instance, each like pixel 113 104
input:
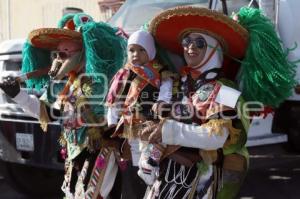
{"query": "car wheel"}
pixel 34 181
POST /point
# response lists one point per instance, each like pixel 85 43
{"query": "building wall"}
pixel 26 15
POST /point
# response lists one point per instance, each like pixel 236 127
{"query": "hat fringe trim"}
pixel 196 11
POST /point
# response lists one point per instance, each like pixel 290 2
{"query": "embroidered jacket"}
pixel 134 90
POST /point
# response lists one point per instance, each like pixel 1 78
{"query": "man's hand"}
pixel 152 132
pixel 147 129
pixel 156 135
pixel 11 86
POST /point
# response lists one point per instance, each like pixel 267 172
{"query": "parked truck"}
pixel 26 151
pixel 29 153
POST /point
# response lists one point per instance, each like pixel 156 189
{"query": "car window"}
pixel 11 65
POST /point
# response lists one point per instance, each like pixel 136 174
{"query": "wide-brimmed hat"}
pixel 49 38
pixel 266 74
pixel 170 26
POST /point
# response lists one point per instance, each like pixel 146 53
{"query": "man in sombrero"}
pixel 80 56
pixel 206 155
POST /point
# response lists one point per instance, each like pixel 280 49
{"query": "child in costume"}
pixel 144 84
pixel 84 54
pixel 209 125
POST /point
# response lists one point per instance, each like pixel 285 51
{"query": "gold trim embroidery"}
pixel 44 118
pixel 216 127
pixel 68 34
pixel 196 11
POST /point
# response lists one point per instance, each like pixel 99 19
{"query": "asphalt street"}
pixel 274 173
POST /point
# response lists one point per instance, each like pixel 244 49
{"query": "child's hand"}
pixel 156 134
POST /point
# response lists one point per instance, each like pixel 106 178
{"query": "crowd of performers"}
pixel 137 124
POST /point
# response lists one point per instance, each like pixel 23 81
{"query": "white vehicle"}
pixel 289 29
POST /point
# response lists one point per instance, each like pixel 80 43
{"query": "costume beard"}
pixel 61 68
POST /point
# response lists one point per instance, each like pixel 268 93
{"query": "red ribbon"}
pixel 267 110
pixel 189 70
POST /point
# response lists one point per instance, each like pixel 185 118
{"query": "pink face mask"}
pixel 68 57
pixel 66 49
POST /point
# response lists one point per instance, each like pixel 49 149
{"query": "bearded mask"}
pixel 68 57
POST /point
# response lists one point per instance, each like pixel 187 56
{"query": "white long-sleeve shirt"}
pixel 189 135
pixel 197 136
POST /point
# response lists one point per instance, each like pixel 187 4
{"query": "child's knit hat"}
pixel 144 39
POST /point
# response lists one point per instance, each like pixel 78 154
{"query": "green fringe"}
pixel 105 52
pixel 34 59
pixel 266 74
